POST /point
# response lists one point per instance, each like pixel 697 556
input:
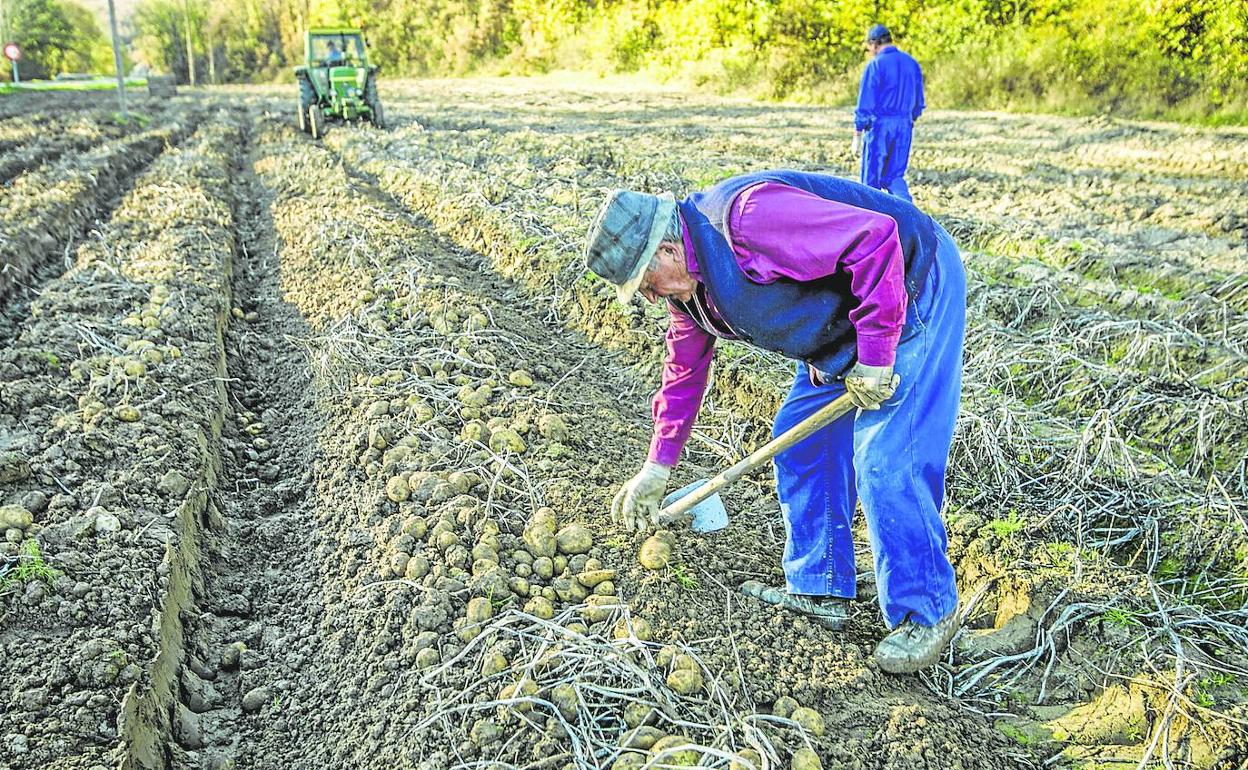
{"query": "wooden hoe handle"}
pixel 803 429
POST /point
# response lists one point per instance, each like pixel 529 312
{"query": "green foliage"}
pixel 1007 527
pixel 30 566
pixel 1183 59
pixel 1121 618
pixel 683 578
pixel 55 36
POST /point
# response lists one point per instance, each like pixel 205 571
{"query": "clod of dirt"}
pixel 107 522
pixel 574 539
pixel 809 719
pixel 521 379
pixel 13 467
pixel 255 699
pixel 485 732
pixel 655 553
pixel 552 426
pixel 1114 717
pixel 806 759
pixel 564 698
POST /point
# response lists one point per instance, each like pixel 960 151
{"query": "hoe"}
pixel 700 500
pixel 336 81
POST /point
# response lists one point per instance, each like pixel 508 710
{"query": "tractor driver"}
pixel 334 57
pixel 868 294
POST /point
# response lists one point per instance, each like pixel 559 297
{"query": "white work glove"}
pixel 855 147
pixel 870 386
pixel 636 505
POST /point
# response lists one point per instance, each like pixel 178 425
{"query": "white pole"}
pixel 121 79
pixel 190 52
pixel 4 32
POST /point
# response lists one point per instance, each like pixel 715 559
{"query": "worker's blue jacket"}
pixel 892 87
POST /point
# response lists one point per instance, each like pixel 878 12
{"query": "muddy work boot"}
pixel 829 611
pixel 911 647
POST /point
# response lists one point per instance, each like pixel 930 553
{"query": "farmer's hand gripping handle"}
pixel 842 405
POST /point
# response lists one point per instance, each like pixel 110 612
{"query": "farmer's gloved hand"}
pixel 870 386
pixel 856 146
pixel 636 505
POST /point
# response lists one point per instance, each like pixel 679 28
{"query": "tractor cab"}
pixel 336 80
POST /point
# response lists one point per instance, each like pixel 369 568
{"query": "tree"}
pixel 55 36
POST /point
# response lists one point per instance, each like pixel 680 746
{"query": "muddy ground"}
pixel 305 447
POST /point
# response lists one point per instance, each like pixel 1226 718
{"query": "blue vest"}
pixel 804 320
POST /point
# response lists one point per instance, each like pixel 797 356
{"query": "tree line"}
pixel 1185 59
pixel 55 36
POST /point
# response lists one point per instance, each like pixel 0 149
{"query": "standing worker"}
pixel 890 99
pixel 868 294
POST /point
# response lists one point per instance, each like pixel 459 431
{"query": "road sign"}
pixel 12 52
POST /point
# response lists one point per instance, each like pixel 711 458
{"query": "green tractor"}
pixel 336 80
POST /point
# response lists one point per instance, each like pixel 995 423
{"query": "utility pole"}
pixel 190 52
pixel 121 76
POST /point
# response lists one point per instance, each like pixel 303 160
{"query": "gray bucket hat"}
pixel 624 237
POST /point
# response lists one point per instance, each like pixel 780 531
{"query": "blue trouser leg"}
pixel 898 456
pixel 815 481
pixel 886 155
pixel 874 152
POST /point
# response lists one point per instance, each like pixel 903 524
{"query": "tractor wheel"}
pixel 374 102
pixel 377 116
pixel 316 121
pixel 307 97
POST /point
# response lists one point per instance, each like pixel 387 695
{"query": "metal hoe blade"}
pixel 708 515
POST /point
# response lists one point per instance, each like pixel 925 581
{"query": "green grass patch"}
pixel 30 566
pixel 98 84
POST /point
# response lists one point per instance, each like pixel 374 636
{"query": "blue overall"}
pixel 890 99
pixel 893 460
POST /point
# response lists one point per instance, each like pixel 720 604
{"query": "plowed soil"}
pixel 306 447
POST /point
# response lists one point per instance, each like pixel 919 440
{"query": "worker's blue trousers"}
pixel 885 155
pixel 893 460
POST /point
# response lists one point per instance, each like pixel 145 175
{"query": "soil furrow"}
pixel 244 679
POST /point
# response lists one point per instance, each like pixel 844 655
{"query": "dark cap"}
pixel 879 34
pixel 625 236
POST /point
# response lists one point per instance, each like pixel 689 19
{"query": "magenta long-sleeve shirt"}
pixel 778 231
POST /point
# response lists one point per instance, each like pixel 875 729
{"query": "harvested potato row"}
pixel 434 414
pixel 521 203
pixel 44 211
pixel 111 394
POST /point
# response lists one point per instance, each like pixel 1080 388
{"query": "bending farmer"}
pixel 890 99
pixel 867 293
